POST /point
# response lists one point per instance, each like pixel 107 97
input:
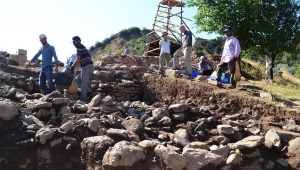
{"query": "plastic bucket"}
pixel 194 74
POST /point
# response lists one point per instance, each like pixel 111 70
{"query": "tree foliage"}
pixel 262 26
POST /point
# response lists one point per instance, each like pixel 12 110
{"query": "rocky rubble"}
pixel 178 136
pixel 53 132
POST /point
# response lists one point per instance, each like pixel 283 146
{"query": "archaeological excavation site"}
pixel 140 121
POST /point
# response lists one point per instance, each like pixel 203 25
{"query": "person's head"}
pixel 202 58
pixel 43 39
pixel 228 32
pixel 126 46
pixel 182 28
pixel 165 35
pixel 76 41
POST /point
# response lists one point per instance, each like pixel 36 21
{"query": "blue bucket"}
pixel 195 74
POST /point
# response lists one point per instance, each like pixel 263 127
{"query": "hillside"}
pixel 134 37
pixel 137 41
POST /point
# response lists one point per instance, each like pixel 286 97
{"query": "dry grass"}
pixel 286 85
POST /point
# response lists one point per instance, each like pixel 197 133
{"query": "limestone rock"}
pixel 95 101
pixel 233 159
pixel 123 154
pixel 272 139
pixel 44 134
pixel 7 110
pixel 61 101
pixel 198 158
pixel 120 134
pixel 225 129
pixel 159 113
pixel 134 125
pixel 294 146
pixel 197 145
pixel 67 126
pixel 182 133
pixel 93 125
pixel 64 110
pixel 81 107
pixel 94 148
pixel 172 159
pixel 248 142
pixel 178 108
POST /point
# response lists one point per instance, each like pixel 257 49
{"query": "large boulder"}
pixel 178 108
pixel 120 134
pixel 123 154
pixel 44 134
pixel 198 158
pixel 134 125
pixel 171 158
pixel 93 150
pixel 248 142
pixel 294 146
pixel 7 110
pixel 272 139
pixel 159 113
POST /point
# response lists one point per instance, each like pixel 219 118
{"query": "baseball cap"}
pixel 164 33
pixel 202 57
pixel 227 29
pixel 42 36
pixel 76 38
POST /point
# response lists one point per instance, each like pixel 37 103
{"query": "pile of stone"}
pixel 135 135
pixel 3 56
pixel 19 59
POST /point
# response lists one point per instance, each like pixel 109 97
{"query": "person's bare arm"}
pixel 76 63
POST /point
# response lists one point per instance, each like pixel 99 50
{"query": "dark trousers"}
pixel 207 72
pixel 222 66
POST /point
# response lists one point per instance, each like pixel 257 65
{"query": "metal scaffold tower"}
pixel 167 19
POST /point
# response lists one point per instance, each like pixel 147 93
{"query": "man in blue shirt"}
pixel 127 50
pixel 47 52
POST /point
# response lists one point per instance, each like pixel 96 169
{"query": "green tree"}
pixel 262 26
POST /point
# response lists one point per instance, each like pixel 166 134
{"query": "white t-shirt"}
pixel 165 46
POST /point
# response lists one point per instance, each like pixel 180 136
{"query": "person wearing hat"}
pixel 84 60
pixel 203 67
pixel 164 45
pixel 47 52
pixel 231 53
pixel 185 50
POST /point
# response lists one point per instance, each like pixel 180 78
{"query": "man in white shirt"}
pixel 231 53
pixel 164 45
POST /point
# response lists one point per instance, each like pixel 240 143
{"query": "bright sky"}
pixel 93 20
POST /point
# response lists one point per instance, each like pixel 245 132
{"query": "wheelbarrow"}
pixel 66 81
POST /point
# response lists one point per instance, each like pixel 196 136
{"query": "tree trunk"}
pixel 272 66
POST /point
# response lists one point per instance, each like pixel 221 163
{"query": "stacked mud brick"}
pixel 22 57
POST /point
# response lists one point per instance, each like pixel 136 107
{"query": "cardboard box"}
pixel 14 57
pixel 22 52
pixel 22 57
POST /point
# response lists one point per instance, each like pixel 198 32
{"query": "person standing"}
pixel 84 60
pixel 127 50
pixel 164 45
pixel 47 52
pixel 203 67
pixel 68 63
pixel 185 50
pixel 231 53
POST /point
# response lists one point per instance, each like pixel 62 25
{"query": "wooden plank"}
pixel 152 50
pixel 181 17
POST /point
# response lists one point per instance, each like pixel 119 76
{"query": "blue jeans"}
pixel 46 74
pixel 86 72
